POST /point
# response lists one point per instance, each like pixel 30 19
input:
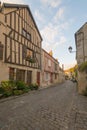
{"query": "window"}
pixel 30 56
pixel 28 36
pixel 20 75
pixel 49 62
pixel 55 66
pixel 11 73
pixel 24 32
pixel 29 53
pixel 46 76
pixel 1 51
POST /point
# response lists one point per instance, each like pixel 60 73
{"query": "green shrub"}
pixel 9 88
pixel 34 86
pixel 17 92
pixel 6 87
pixel 26 90
pixel 83 67
pixel 1 90
pixel 8 84
pixel 7 93
pixel 20 85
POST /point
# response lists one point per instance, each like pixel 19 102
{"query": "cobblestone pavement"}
pixel 54 108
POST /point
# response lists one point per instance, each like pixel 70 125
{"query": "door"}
pixel 29 77
pixel 51 78
pixel 38 78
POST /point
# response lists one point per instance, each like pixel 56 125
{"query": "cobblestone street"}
pixel 53 108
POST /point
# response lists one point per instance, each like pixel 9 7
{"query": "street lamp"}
pixel 70 49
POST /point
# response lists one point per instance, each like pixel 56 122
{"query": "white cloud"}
pixel 52 37
pixel 38 16
pixel 62 40
pixel 52 3
pixel 59 14
pixel 49 33
pixel 53 34
pixel 53 45
pixel 13 1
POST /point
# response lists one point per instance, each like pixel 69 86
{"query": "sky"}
pixel 57 21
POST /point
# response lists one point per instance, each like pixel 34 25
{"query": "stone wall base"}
pixel 82 81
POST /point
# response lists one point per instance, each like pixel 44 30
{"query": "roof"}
pixel 7 5
pixel 81 27
pixel 50 55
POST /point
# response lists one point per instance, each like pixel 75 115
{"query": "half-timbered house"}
pixel 20 44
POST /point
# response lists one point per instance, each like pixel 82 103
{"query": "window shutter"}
pixel 1 51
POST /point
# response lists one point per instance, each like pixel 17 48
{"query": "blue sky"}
pixel 57 21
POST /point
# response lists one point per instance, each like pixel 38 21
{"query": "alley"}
pixel 53 108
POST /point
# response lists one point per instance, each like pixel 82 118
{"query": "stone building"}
pixel 20 44
pixel 81 55
pixel 51 72
pixel 81 44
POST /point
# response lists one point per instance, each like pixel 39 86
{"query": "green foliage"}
pixel 7 93
pixel 83 67
pixel 8 84
pixel 85 92
pixel 26 90
pixel 73 70
pixel 34 86
pixel 1 90
pixel 20 85
pixel 18 92
pixel 30 59
pixel 8 88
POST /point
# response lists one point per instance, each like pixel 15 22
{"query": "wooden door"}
pixel 29 77
pixel 38 78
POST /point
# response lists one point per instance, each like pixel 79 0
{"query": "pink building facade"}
pixel 50 69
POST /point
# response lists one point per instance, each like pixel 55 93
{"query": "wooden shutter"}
pixel 1 51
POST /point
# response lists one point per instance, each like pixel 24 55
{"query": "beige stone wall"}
pixel 81 44
pixel 2 28
pixel 61 77
pixel 81 55
pixel 3 71
pixel 82 81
